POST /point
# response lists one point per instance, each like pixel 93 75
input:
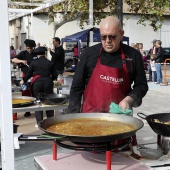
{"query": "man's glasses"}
pixel 110 37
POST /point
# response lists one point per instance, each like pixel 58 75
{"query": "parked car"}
pixel 68 60
pixel 166 53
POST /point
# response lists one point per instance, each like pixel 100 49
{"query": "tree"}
pixel 151 10
pixel 79 9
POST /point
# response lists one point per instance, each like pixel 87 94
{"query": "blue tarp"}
pixel 84 36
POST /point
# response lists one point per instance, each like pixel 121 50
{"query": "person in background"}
pixel 38 45
pixel 106 72
pixel 12 55
pixel 133 45
pixel 144 58
pixel 44 45
pixel 151 52
pixel 153 68
pixel 19 49
pixel 141 48
pixel 43 72
pixel 58 56
pixel 24 59
pixel 12 52
pixel 158 60
pixel 75 55
pixel 137 46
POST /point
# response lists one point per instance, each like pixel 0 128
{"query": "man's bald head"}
pixel 111 21
pixel 111 33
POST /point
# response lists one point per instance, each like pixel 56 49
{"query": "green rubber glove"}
pixel 116 109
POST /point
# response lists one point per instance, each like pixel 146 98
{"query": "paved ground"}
pixel 156 101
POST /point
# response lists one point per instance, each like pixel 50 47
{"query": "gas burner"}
pixel 93 146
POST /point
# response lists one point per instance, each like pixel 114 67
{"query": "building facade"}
pixel 37 29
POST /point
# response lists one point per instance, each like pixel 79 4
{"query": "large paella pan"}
pixel 22 101
pixel 135 123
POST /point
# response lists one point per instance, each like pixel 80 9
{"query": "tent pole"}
pixel 91 20
pixel 32 24
pixel 7 144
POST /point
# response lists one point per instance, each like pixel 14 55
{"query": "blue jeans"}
pixel 154 76
pixel 158 72
pixel 150 73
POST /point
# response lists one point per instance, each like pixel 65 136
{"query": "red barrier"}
pixel 165 75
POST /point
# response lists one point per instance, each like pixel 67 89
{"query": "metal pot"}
pixel 163 143
pixel 136 123
pixel 158 128
pixel 31 101
pixel 53 99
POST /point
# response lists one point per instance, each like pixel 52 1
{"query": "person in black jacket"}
pixel 58 56
pixel 43 72
pixel 23 59
pixel 158 60
pixel 109 52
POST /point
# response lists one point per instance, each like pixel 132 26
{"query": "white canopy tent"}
pixel 16 13
pixel 6 122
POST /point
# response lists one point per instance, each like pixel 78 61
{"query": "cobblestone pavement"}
pixel 156 101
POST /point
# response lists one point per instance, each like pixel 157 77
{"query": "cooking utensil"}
pixel 53 99
pixel 136 123
pixel 27 65
pixel 159 128
pixel 31 101
pixel 164 165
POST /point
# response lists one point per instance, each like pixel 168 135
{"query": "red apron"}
pixel 106 85
pixel 28 92
pixel 34 78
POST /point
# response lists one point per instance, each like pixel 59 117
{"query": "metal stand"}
pixel 54 150
pixel 99 147
pixel 108 156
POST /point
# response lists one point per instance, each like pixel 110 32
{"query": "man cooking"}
pixel 43 72
pixel 24 59
pixel 108 72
